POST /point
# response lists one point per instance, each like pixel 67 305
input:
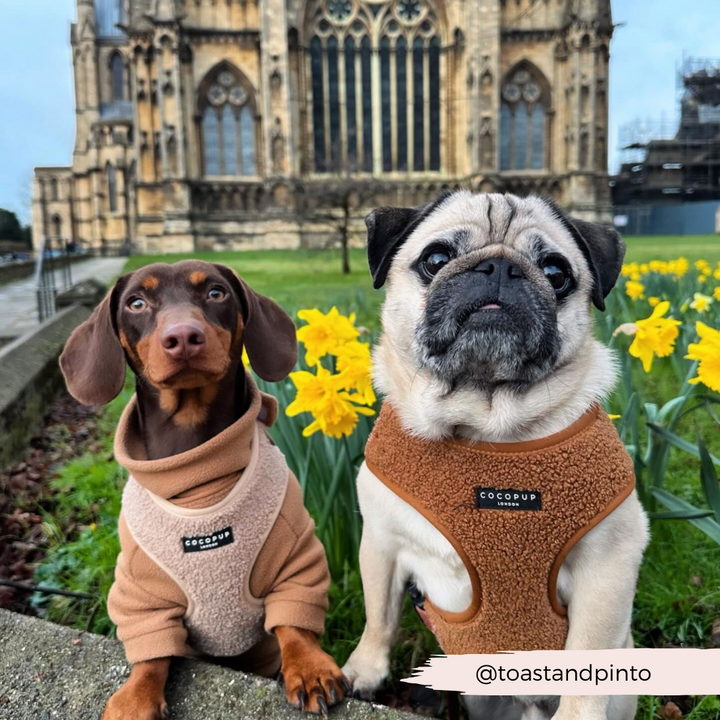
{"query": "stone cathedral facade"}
pixel 210 124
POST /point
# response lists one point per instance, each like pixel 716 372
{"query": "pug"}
pixel 487 338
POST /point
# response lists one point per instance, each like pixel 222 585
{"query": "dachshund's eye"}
pixel 434 262
pixel 216 293
pixel 136 304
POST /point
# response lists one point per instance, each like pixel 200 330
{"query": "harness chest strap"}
pixel 512 512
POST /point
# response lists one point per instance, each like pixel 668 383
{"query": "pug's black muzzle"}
pixel 489 324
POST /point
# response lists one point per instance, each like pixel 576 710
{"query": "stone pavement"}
pixel 50 672
pixel 18 302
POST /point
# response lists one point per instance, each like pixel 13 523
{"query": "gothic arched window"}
pixel 111 178
pixel 109 13
pixel 228 126
pixel 523 121
pixel 374 76
pixel 117 73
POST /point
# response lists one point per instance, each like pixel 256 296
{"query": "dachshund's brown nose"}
pixel 183 340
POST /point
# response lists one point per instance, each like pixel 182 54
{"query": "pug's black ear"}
pixel 387 230
pixel 603 249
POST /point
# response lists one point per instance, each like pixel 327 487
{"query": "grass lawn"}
pixel 679 590
pixel 666 247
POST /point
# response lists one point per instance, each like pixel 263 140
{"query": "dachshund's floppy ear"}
pixel 269 335
pixel 603 249
pixel 387 229
pixel 93 361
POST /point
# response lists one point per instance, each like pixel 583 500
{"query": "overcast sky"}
pixel 37 123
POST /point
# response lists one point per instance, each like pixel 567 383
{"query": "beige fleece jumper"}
pixel 512 511
pixel 285 572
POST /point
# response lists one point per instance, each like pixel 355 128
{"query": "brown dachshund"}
pixel 182 329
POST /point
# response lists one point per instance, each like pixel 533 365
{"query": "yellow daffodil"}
pixel 635 290
pixel 653 300
pixel 354 366
pixel 707 353
pixel 716 293
pixel 321 394
pixel 716 274
pixel 325 333
pixel 702 278
pixel 628 269
pixel 655 335
pixel 701 302
pixel 678 267
pixel 614 417
pixel 644 268
pixel 703 266
pixel 659 266
pixel 245 358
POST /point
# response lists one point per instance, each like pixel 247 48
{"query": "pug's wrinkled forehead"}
pixel 468 222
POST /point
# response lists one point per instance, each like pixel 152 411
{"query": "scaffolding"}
pixel 673 161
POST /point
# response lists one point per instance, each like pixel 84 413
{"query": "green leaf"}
pixel 681 515
pixel 675 504
pixel 679 442
pixel 709 479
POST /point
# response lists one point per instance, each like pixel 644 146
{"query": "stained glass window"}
pixel 418 106
pixel 334 98
pixel 117 70
pixel 111 187
pixel 366 56
pixel 228 126
pixel 386 104
pixel 350 103
pixel 399 77
pixel 523 123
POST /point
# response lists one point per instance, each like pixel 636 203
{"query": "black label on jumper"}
pixel 208 542
pixel 507 499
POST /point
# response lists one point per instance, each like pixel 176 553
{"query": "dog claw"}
pixel 302 698
pixel 333 696
pixel 323 706
pixel 347 686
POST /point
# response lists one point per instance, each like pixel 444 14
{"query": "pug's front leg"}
pixel 602 579
pixel 384 588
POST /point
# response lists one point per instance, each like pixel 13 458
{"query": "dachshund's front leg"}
pixel 142 697
pixel 313 681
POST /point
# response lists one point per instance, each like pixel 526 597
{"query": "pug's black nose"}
pixel 501 267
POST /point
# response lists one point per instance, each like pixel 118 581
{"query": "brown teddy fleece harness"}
pixel 512 511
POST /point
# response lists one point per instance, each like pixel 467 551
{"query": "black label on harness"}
pixel 507 499
pixel 208 542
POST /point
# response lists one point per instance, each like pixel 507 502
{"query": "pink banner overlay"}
pixel 576 672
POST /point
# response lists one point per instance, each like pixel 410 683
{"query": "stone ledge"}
pixel 30 379
pixel 48 671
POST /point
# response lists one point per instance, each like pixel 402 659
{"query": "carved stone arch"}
pixel 345 40
pixel 214 73
pixel 537 74
pixel 525 118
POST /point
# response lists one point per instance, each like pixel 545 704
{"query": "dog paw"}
pixel 366 670
pixel 126 704
pixel 313 681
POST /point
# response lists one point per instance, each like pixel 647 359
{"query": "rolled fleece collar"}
pixel 225 454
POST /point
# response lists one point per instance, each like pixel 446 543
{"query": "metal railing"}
pixel 51 261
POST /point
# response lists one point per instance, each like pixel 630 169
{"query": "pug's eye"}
pixel 216 293
pixel 559 276
pixel 434 262
pixel 136 304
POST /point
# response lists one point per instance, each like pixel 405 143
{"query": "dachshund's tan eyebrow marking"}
pixel 150 283
pixel 197 277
